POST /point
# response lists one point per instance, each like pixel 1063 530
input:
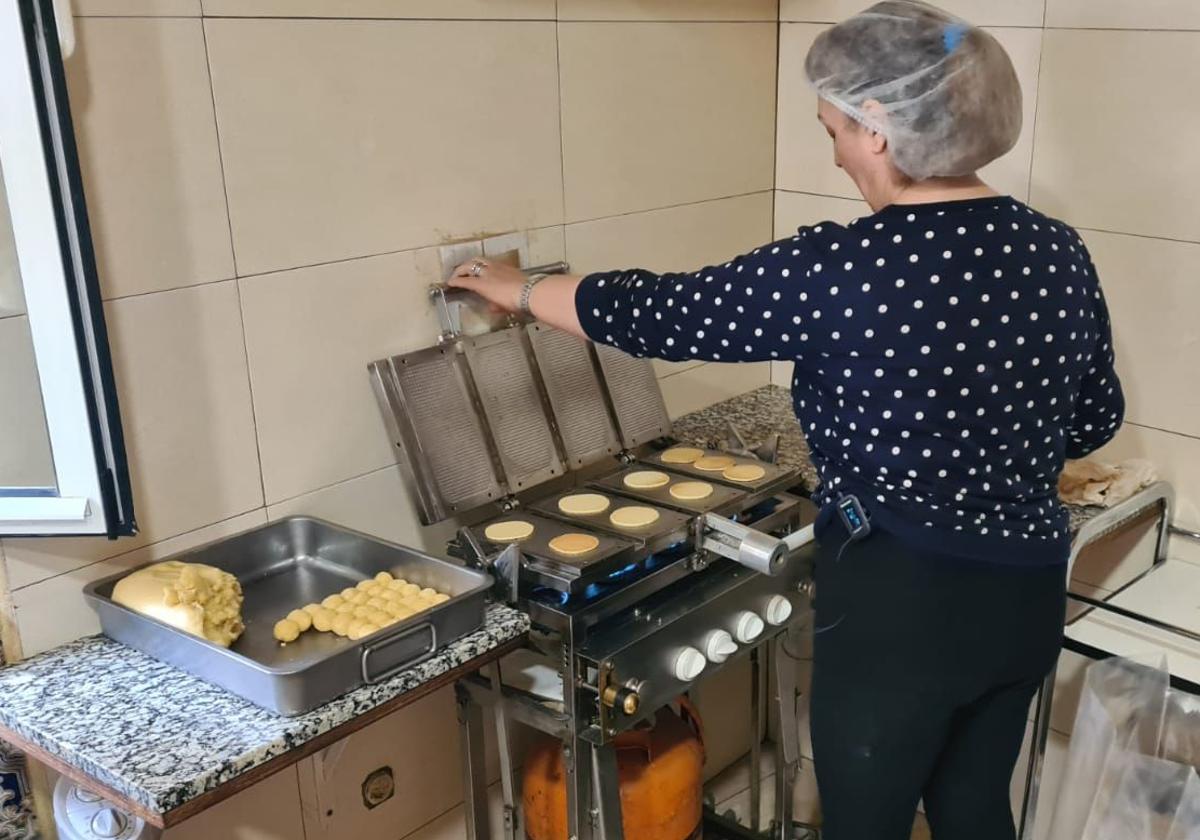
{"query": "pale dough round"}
pixel 646 479
pixel 410 589
pixel 384 577
pixel 691 491
pixel 514 530
pixel 573 545
pixel 440 598
pixel 379 617
pixel 348 593
pixel 341 624
pixel 399 611
pixel 286 631
pixel 345 609
pixel 312 609
pixel 323 621
pixel 429 592
pixel 361 612
pixel 744 472
pixel 633 516
pixel 583 504
pixel 377 602
pixel 365 585
pixel 714 463
pixel 397 583
pixel 681 455
pixel 362 629
pixel 301 619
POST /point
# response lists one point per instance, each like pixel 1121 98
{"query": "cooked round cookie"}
pixel 691 491
pixel 646 479
pixel 633 516
pixel 583 504
pixel 573 545
pixel 514 530
pixel 681 455
pixel 744 472
pixel 714 463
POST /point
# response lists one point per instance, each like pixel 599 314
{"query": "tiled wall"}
pixel 268 182
pixel 1106 146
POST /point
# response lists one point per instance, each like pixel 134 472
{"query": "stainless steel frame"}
pixel 1160 495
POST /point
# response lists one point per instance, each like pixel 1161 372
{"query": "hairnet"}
pixel 949 99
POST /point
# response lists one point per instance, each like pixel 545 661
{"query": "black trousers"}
pixel 924 667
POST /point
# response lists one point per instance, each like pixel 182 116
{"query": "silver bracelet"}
pixel 527 290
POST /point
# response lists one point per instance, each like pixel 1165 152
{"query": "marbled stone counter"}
pixel 161 737
pixel 769 409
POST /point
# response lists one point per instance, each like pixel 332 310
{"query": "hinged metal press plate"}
pixel 637 400
pixel 576 395
pixel 433 416
pixel 515 408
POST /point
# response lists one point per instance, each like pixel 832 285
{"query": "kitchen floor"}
pixel 731 788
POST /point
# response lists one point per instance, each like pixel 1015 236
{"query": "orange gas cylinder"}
pixel 661 771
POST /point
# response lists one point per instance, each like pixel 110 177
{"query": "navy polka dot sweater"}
pixel 948 358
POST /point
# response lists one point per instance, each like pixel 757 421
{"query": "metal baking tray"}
pixel 723 496
pixel 544 566
pixel 773 473
pixel 670 527
pixel 283 566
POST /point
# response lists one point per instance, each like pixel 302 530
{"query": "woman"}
pixel 951 349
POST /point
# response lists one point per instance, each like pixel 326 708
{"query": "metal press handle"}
pixel 372 679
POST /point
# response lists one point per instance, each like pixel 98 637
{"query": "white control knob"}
pixel 109 822
pixel 747 627
pixel 689 664
pixel 779 610
pixel 719 646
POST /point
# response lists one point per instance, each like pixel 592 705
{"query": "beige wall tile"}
pixel 805 152
pixel 1153 298
pixel 377 504
pixel 142 107
pixel 1121 14
pixel 53 612
pixel 1100 159
pixel 676 239
pixel 1175 456
pixel 270 810
pixel 25 459
pixel 471 9
pixel 310 334
pixel 710 383
pixel 661 115
pixel 140 8
pixel 452 825
pixel 781 374
pixel 667 10
pixel 374 152
pixel 420 744
pixel 794 210
pixel 979 12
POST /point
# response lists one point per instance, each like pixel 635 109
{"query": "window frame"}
pixel 58 275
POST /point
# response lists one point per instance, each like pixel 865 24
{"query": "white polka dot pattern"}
pixel 949 357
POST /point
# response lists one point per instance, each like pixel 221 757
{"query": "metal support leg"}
pixel 504 748
pixel 787 751
pixel 578 764
pixel 470 726
pixel 1037 756
pixel 756 694
pixel 608 793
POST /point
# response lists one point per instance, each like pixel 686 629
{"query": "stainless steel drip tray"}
pixel 723 496
pixel 548 567
pixel 773 474
pixel 671 526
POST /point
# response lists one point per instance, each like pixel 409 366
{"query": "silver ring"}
pixel 476 267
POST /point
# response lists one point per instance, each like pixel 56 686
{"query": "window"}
pixel 62 455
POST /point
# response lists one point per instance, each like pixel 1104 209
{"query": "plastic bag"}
pixel 1131 769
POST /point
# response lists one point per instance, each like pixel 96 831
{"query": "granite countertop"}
pixel 769 409
pixel 161 737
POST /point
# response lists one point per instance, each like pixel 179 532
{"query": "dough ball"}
pixel 323 620
pixel 311 609
pixel 384 577
pixel 401 613
pixel 379 617
pixel 440 598
pixel 346 609
pixel 410 589
pixel 348 592
pixel 365 585
pixel 397 583
pixel 391 595
pixel 359 597
pixel 428 592
pixel 362 630
pixel 377 602
pixel 341 624
pixel 333 602
pixel 361 612
pixel 301 619
pixel 286 631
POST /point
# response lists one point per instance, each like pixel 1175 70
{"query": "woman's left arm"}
pixel 752 308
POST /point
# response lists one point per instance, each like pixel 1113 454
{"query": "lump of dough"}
pixel 365 585
pixel 440 598
pixel 286 631
pixel 198 599
pixel 301 619
pixel 341 624
pixel 428 592
pixel 312 609
pixel 362 630
pixel 346 609
pixel 323 620
pixel 333 602
pixel 410 589
pixel 383 577
pixel 377 602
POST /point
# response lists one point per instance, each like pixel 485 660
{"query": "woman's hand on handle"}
pixel 552 300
